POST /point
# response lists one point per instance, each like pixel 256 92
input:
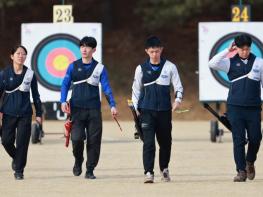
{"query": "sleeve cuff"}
pixel 112 105
pixel 39 114
pixel 178 96
pixel 179 100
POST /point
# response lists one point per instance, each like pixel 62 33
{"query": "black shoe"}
pixel 89 175
pixel 13 165
pixel 250 168
pixel 241 176
pixel 77 169
pixel 18 176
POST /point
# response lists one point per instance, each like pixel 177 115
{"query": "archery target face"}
pixel 51 58
pixel 213 38
pixel 51 48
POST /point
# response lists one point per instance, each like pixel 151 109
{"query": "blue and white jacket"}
pixel 151 86
pixel 244 75
pixel 16 89
pixel 85 79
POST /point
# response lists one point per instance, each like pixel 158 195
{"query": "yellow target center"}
pixel 61 62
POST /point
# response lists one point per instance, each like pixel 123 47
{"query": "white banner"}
pixel 213 38
pixel 52 47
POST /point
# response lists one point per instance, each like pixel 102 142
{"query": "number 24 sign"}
pixel 240 13
pixel 62 14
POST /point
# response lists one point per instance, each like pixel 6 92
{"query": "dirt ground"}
pixel 198 167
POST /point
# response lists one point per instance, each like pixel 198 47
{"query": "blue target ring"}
pixel 223 43
pixel 51 58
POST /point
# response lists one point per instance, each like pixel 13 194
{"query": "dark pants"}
pixel 159 123
pixel 87 124
pixel 246 123
pixel 16 129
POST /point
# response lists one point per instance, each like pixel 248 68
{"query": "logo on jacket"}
pixel 149 72
pixel 95 76
pixel 255 70
pixel 164 76
pixel 144 125
pixel 27 83
pixel 79 69
pixel 11 78
pixel 238 64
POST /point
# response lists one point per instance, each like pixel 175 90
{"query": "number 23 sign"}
pixel 62 14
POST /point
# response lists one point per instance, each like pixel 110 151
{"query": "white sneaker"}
pixel 148 178
pixel 165 175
